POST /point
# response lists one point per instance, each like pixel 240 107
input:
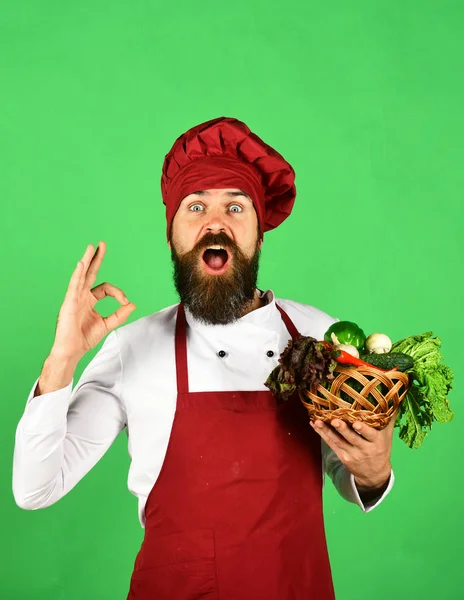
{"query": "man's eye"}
pixel 235 208
pixel 196 207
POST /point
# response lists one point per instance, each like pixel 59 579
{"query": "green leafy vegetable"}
pixel 304 362
pixel 431 382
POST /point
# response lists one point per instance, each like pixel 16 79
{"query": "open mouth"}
pixel 216 260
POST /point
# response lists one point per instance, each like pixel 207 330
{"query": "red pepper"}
pixel 345 358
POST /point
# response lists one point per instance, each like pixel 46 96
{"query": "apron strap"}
pixel 292 330
pixel 181 345
pixel 181 351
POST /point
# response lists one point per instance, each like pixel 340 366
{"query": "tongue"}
pixel 215 260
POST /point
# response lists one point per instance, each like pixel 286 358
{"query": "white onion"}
pixel 349 349
pixel 344 347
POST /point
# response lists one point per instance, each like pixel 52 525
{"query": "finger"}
pixel 331 437
pixel 95 265
pixel 119 317
pixel 388 431
pixel 88 254
pixel 391 424
pixel 338 451
pixel 350 435
pixel 367 432
pixel 107 289
pixel 74 282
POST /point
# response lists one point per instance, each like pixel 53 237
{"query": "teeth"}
pixel 216 248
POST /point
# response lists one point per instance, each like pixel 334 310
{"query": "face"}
pixel 215 247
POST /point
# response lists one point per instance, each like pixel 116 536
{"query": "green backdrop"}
pixel 365 99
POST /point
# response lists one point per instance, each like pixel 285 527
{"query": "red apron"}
pixel 236 512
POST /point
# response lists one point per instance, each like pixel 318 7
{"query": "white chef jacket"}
pixel 131 384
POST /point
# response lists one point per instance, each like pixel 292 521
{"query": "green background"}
pixel 365 99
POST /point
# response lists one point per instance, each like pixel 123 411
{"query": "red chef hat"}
pixel 224 153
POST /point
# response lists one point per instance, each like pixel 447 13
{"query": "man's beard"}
pixel 216 299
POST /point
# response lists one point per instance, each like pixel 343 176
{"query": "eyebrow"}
pixel 229 194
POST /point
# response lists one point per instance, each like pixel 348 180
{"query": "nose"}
pixel 216 221
pixel 215 228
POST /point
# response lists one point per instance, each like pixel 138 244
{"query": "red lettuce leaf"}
pixel 303 363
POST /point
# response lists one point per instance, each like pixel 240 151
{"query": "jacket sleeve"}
pixel 63 434
pixel 344 482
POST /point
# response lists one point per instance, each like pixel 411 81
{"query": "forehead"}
pixel 217 194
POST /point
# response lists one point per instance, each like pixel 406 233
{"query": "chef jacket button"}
pixel 270 353
pixel 222 353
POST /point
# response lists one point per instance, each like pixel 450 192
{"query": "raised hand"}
pixel 80 327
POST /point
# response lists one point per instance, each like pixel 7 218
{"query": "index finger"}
pixel 78 273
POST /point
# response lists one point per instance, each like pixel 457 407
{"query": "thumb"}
pixel 120 316
pixel 391 423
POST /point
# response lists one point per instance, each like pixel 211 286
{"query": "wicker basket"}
pixel 369 405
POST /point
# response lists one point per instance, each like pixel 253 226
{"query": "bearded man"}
pixel 229 481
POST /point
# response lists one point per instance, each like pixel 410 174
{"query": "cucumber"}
pixel 390 360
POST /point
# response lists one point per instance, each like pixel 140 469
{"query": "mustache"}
pixel 215 239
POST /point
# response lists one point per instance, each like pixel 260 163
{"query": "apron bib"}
pixel 236 512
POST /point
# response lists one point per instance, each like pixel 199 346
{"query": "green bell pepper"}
pixel 347 332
